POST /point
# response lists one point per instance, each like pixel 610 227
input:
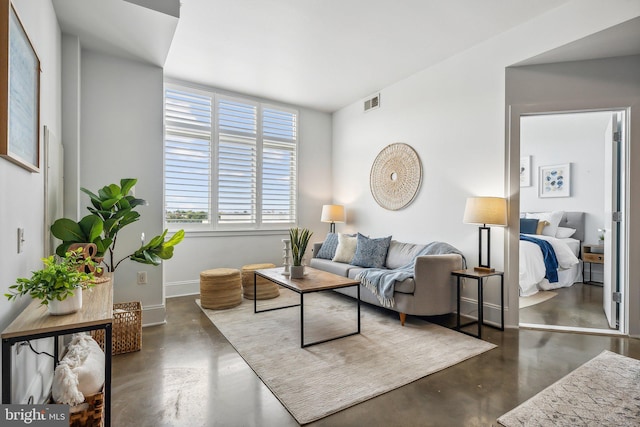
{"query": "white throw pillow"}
pixel 565 232
pixel 346 248
pixel 553 218
pixel 80 372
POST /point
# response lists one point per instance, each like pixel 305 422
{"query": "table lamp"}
pixel 485 211
pixel 332 214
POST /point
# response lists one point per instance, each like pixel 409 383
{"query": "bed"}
pixel 566 244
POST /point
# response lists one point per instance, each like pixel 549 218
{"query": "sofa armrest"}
pixel 435 287
pixel 316 249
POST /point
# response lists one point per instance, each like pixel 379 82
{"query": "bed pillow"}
pixel 565 232
pixel 371 253
pixel 346 248
pixel 541 225
pixel 552 217
pixel 528 225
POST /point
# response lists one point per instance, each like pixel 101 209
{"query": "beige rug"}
pixel 605 391
pixel 534 299
pixel 323 379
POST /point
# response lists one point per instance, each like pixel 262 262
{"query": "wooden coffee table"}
pixel 313 281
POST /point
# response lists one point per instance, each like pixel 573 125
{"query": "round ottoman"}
pixel 265 289
pixel 220 288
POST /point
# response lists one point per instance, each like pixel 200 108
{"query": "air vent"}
pixel 372 102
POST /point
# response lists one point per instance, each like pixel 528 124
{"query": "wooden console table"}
pixel 35 323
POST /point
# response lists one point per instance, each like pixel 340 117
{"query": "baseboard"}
pixel 180 289
pixel 492 313
pixel 154 315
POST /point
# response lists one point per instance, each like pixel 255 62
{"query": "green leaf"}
pixel 68 231
pixel 91 226
pixel 175 239
pixel 127 184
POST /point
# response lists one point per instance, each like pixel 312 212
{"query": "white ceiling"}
pixel 322 54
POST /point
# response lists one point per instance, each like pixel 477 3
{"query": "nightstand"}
pixel 479 276
pixel 592 254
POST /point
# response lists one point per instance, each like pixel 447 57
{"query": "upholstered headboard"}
pixel 574 220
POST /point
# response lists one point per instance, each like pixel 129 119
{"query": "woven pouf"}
pixel 265 289
pixel 220 288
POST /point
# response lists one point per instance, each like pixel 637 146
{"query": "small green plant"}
pixel 60 278
pixel 299 240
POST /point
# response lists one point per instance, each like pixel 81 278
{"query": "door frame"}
pixel 512 190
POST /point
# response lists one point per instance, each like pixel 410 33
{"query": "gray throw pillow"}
pixel 371 253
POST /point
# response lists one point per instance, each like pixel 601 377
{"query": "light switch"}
pixel 20 239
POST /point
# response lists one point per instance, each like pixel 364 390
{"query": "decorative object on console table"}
pixel 59 284
pixel 299 241
pixel 396 175
pixel 20 115
pixel 332 214
pixel 592 254
pixel 485 211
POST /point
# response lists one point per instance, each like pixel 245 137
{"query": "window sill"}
pixel 284 232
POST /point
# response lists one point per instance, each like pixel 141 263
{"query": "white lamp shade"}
pixel 486 210
pixel 332 213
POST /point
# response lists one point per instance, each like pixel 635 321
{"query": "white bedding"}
pixel 532 269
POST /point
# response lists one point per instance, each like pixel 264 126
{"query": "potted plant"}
pixel 112 209
pixel 299 240
pixel 59 284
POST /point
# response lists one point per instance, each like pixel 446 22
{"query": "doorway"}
pixel 572 167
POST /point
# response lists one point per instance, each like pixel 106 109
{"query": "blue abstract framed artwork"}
pixel 555 181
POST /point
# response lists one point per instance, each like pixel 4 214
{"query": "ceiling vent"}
pixel 372 102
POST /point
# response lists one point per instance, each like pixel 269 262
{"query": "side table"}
pixel 479 276
pixel 592 254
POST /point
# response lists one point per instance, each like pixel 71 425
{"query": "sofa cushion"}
pixel 339 268
pixel 371 252
pixel 329 246
pixel 400 254
pixel 346 248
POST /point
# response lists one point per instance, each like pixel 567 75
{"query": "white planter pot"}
pixel 66 306
pixel 297 271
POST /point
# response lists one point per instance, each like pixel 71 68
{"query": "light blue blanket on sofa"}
pixel 382 281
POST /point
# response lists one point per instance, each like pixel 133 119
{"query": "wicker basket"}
pixel 89 413
pixel 127 328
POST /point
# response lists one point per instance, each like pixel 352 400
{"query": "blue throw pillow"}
pixel 328 248
pixel 371 253
pixel 528 225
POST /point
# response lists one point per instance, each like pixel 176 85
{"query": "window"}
pixel 230 163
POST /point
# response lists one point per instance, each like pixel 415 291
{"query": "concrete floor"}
pixel 187 374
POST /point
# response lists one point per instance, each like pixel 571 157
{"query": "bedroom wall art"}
pixel 396 175
pixel 20 93
pixel 555 181
pixel 525 171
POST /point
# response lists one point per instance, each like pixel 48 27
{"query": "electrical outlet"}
pixel 142 277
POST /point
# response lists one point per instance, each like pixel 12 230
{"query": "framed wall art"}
pixel 525 171
pixel 19 92
pixel 555 181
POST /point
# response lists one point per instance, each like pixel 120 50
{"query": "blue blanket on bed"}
pixel 548 256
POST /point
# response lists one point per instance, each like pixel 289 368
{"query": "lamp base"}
pixel 484 269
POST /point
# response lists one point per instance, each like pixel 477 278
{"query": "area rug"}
pixel 323 379
pixel 537 298
pixel 605 391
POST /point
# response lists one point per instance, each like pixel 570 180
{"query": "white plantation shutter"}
pixel 187 157
pixel 280 133
pixel 230 163
pixel 237 137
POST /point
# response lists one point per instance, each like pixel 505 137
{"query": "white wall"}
pixel 567 138
pixel 22 199
pixel 203 251
pixel 121 136
pixel 452 114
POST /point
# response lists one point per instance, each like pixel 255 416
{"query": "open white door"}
pixel 612 217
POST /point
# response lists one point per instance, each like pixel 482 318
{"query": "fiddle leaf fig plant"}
pixel 112 209
pixel 60 278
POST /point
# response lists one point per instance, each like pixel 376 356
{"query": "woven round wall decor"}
pixel 396 175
